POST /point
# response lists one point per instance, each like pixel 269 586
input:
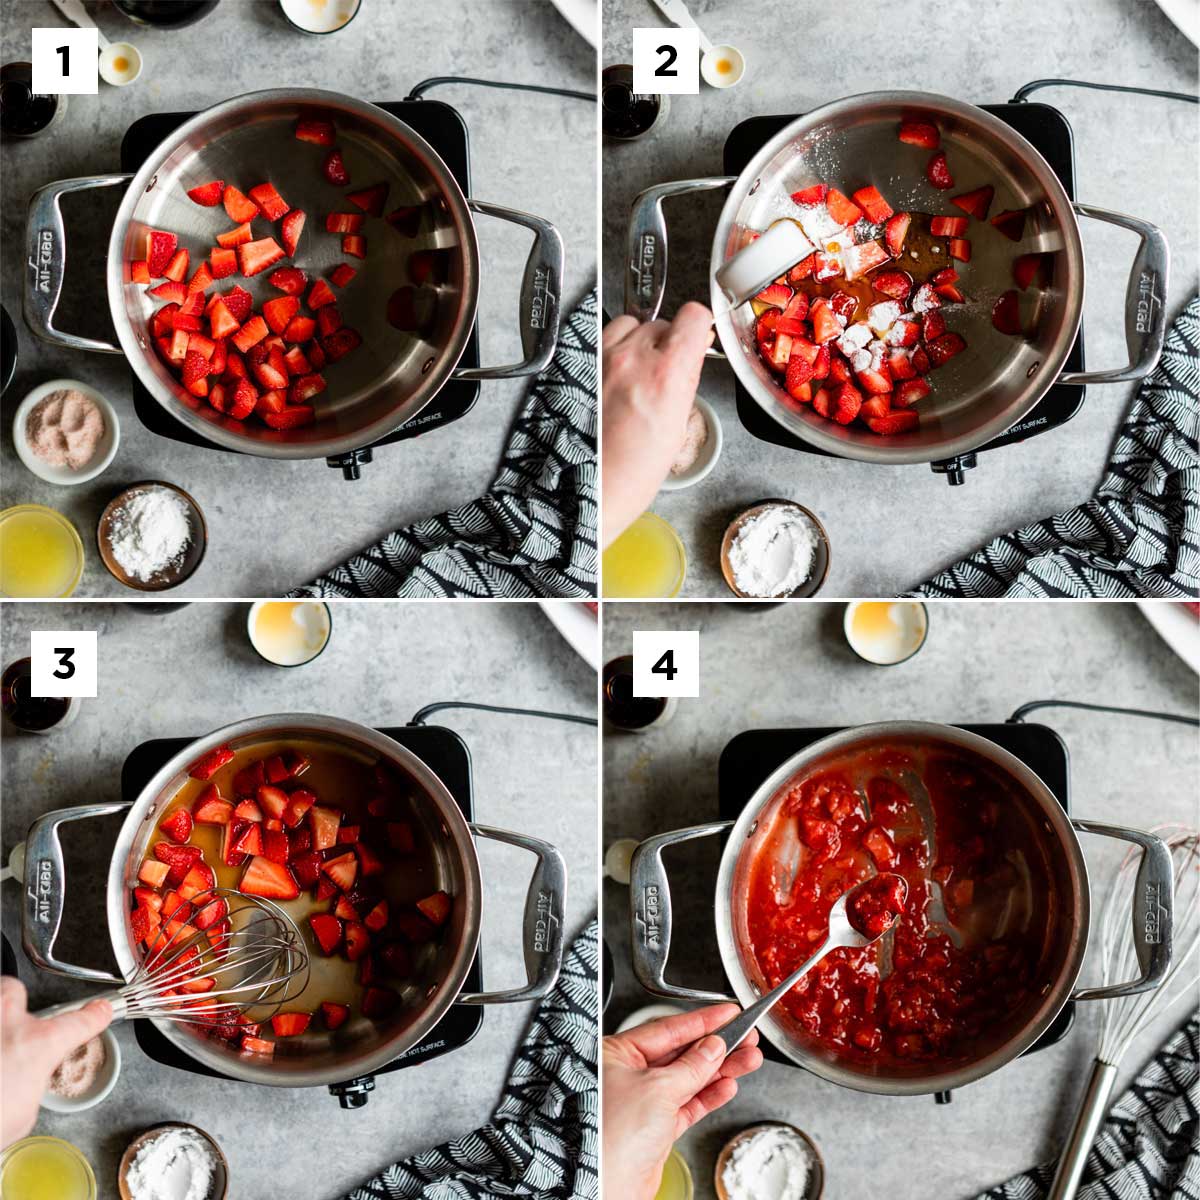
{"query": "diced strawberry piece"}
pixel 1025 266
pixel 945 348
pixel 294 359
pixel 320 294
pixel 208 194
pixel 272 880
pixel 324 824
pixel 271 401
pixel 211 763
pixel 920 361
pixel 1006 314
pixel 909 392
pixel 342 274
pixel 846 403
pixel 178 826
pixel 275 841
pixel 810 196
pixel 327 929
pixel 248 810
pixel 371 200
pixel 249 779
pixel 171 290
pixel 291 229
pixel 219 400
pixel 338 345
pixel 144 923
pixel 175 907
pixel 239 302
pixel 344 908
pixel 301 329
pixel 369 862
pixel 903 333
pixel 255 1045
pixel 406 220
pixel 268 199
pixel 844 305
pixel 162 322
pixel 358 940
pixel 222 322
pixel 152 873
pixel 877 381
pixel 160 248
pixel 289 1024
pixel 945 275
pixel 240 208
pixel 790 322
pixel 201 279
pixel 950 227
pixel 377 918
pixel 1011 223
pixel 179 344
pixel 960 248
pixel 199 879
pixel 304 388
pixel 276 769
pixel 344 222
pixel 235 237
pixel 799 372
pixel 279 311
pixel 146 896
pixel 899 421
pixel 343 870
pixel 950 292
pixel 802 270
pixel 874 407
pixel 900 364
pixel 778 295
pixel 778 353
pixel 841 208
pixel 925 298
pixel 309 129
pixel 933 325
pixel 288 279
pixel 139 271
pixel 355 245
pixel 349 834
pixel 919 133
pixel 292 417
pixel 975 203
pixel 858 260
pixel 179 859
pixel 896 284
pixel 937 171
pixel 895 231
pixel 825 324
pixel 271 372
pixel 820 366
pixel 210 913
pixel 334 1015
pixel 765 327
pixel 435 908
pixel 307 868
pixel 826 265
pixel 247 837
pixel 254 257
pixel 250 334
pixel 334 169
pixel 873 204
pixel 326 888
pixel 243 400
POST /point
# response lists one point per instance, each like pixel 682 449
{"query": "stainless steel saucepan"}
pixel 990 387
pixel 362 1046
pixel 652 920
pixel 393 375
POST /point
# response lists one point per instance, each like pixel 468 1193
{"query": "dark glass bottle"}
pixel 34 714
pixel 23 112
pixel 621 707
pixel 627 114
pixel 165 14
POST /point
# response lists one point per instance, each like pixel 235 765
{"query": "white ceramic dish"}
pixel 320 16
pixel 105 452
pixel 735 67
pixel 579 625
pixel 105 1082
pixel 1185 15
pixel 583 16
pixel 1177 626
pixel 709 452
pixel 110 72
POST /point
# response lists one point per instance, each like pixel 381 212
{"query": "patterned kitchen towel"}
pixel 534 532
pixel 1149 1145
pixel 543 1139
pixel 1139 535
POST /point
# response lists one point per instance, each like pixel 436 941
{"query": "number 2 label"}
pixel 666 61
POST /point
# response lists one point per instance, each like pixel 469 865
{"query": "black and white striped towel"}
pixel 534 532
pixel 1149 1145
pixel 1139 535
pixel 543 1140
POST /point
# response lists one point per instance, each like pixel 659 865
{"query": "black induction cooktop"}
pixel 751 756
pixel 444 129
pixel 1050 133
pixel 447 755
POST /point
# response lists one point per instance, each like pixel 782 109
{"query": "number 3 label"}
pixel 666 662
pixel 666 61
pixel 63 662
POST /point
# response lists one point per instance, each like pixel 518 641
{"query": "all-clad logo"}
pixel 43 256
pixel 651 916
pixel 1146 317
pixel 642 266
pixel 543 299
pixel 546 924
pixel 1155 912
pixel 40 892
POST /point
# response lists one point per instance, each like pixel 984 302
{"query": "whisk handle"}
pixel 1092 1107
pixel 114 998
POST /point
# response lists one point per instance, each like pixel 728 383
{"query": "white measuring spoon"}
pixel 722 66
pixel 111 53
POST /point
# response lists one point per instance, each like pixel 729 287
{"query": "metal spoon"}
pixel 842 935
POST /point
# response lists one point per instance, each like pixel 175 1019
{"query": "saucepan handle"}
pixel 540 293
pixel 1153 912
pixel 1145 300
pixel 650 914
pixel 46 238
pixel 542 927
pixel 46 891
pixel 646 270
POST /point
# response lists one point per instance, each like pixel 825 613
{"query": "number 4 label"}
pixel 63 662
pixel 666 62
pixel 666 662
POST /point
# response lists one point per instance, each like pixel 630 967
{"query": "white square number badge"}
pixel 66 62
pixel 666 61
pixel 666 662
pixel 63 662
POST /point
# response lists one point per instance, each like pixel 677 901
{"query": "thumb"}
pixel 693 1069
pixel 60 1035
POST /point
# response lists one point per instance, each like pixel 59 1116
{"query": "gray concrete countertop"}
pixel 981 661
pixel 530 152
pixel 1133 154
pixel 191 670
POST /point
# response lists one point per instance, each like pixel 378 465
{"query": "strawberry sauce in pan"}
pixel 967 953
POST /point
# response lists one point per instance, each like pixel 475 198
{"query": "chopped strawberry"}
pixel 925 298
pixel 344 908
pixel 272 401
pixel 435 908
pixel 343 870
pixel 199 879
pixel 937 171
pixel 945 348
pixel 858 260
pixel 377 918
pixel 248 810
pixel 1006 314
pixel 176 293
pixel 139 271
pixel 324 823
pixel 334 1015
pixel 826 265
pixel 160 246
pixel 896 284
pixel 291 229
pixel 1011 223
pixel 950 227
pixel 239 207
pixel 1025 266
pixel 802 270
pixel 920 361
pixel 210 913
pixel 846 403
pixel 950 292
pixel 406 220
pixel 799 372
pixel 873 204
pixel 291 418
pixel 246 837
pixel 144 923
pixel 178 826
pixel 344 222
pixel 874 407
pixel 153 872
pixel 222 322
pixel 370 200
pixel 933 325
pixel 338 345
pixel 254 257
pixel 305 387
pixel 288 279
pixel 273 880
pixel 960 248
pixel 177 351
pixel 320 294
pixel 289 1024
pixel 334 169
pixel 279 311
pixel 255 1045
pixel 250 334
pixel 301 329
pixel 909 392
pixel 342 274
pixel 276 846
pixel 329 320
pixel 369 862
pixel 271 371
pixel 309 129
pixel 355 245
pixel 269 201
pixel 162 322
pixel 945 275
pixel 878 381
pixel 919 133
pixel 235 237
pixel 778 353
pixel 900 421
pixel 810 196
pixel 177 268
pixel 841 208
pixel 211 763
pixel 201 280
pixel 843 304
pixel 306 868
pixel 208 194
pixel 778 295
pixel 358 940
pixel 239 302
pixel 294 359
pixel 179 859
pixel 903 333
pixel 327 929
pixel 825 324
pixel 243 400
pixel 820 370
pixel 975 203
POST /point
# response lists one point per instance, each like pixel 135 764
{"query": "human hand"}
pixel 659 1080
pixel 31 1048
pixel 651 373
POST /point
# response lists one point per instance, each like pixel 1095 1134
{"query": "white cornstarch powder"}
pixel 150 533
pixel 772 554
pixel 177 1165
pixel 773 1164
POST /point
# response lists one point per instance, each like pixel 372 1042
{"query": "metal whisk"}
pixel 251 951
pixel 1124 1018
